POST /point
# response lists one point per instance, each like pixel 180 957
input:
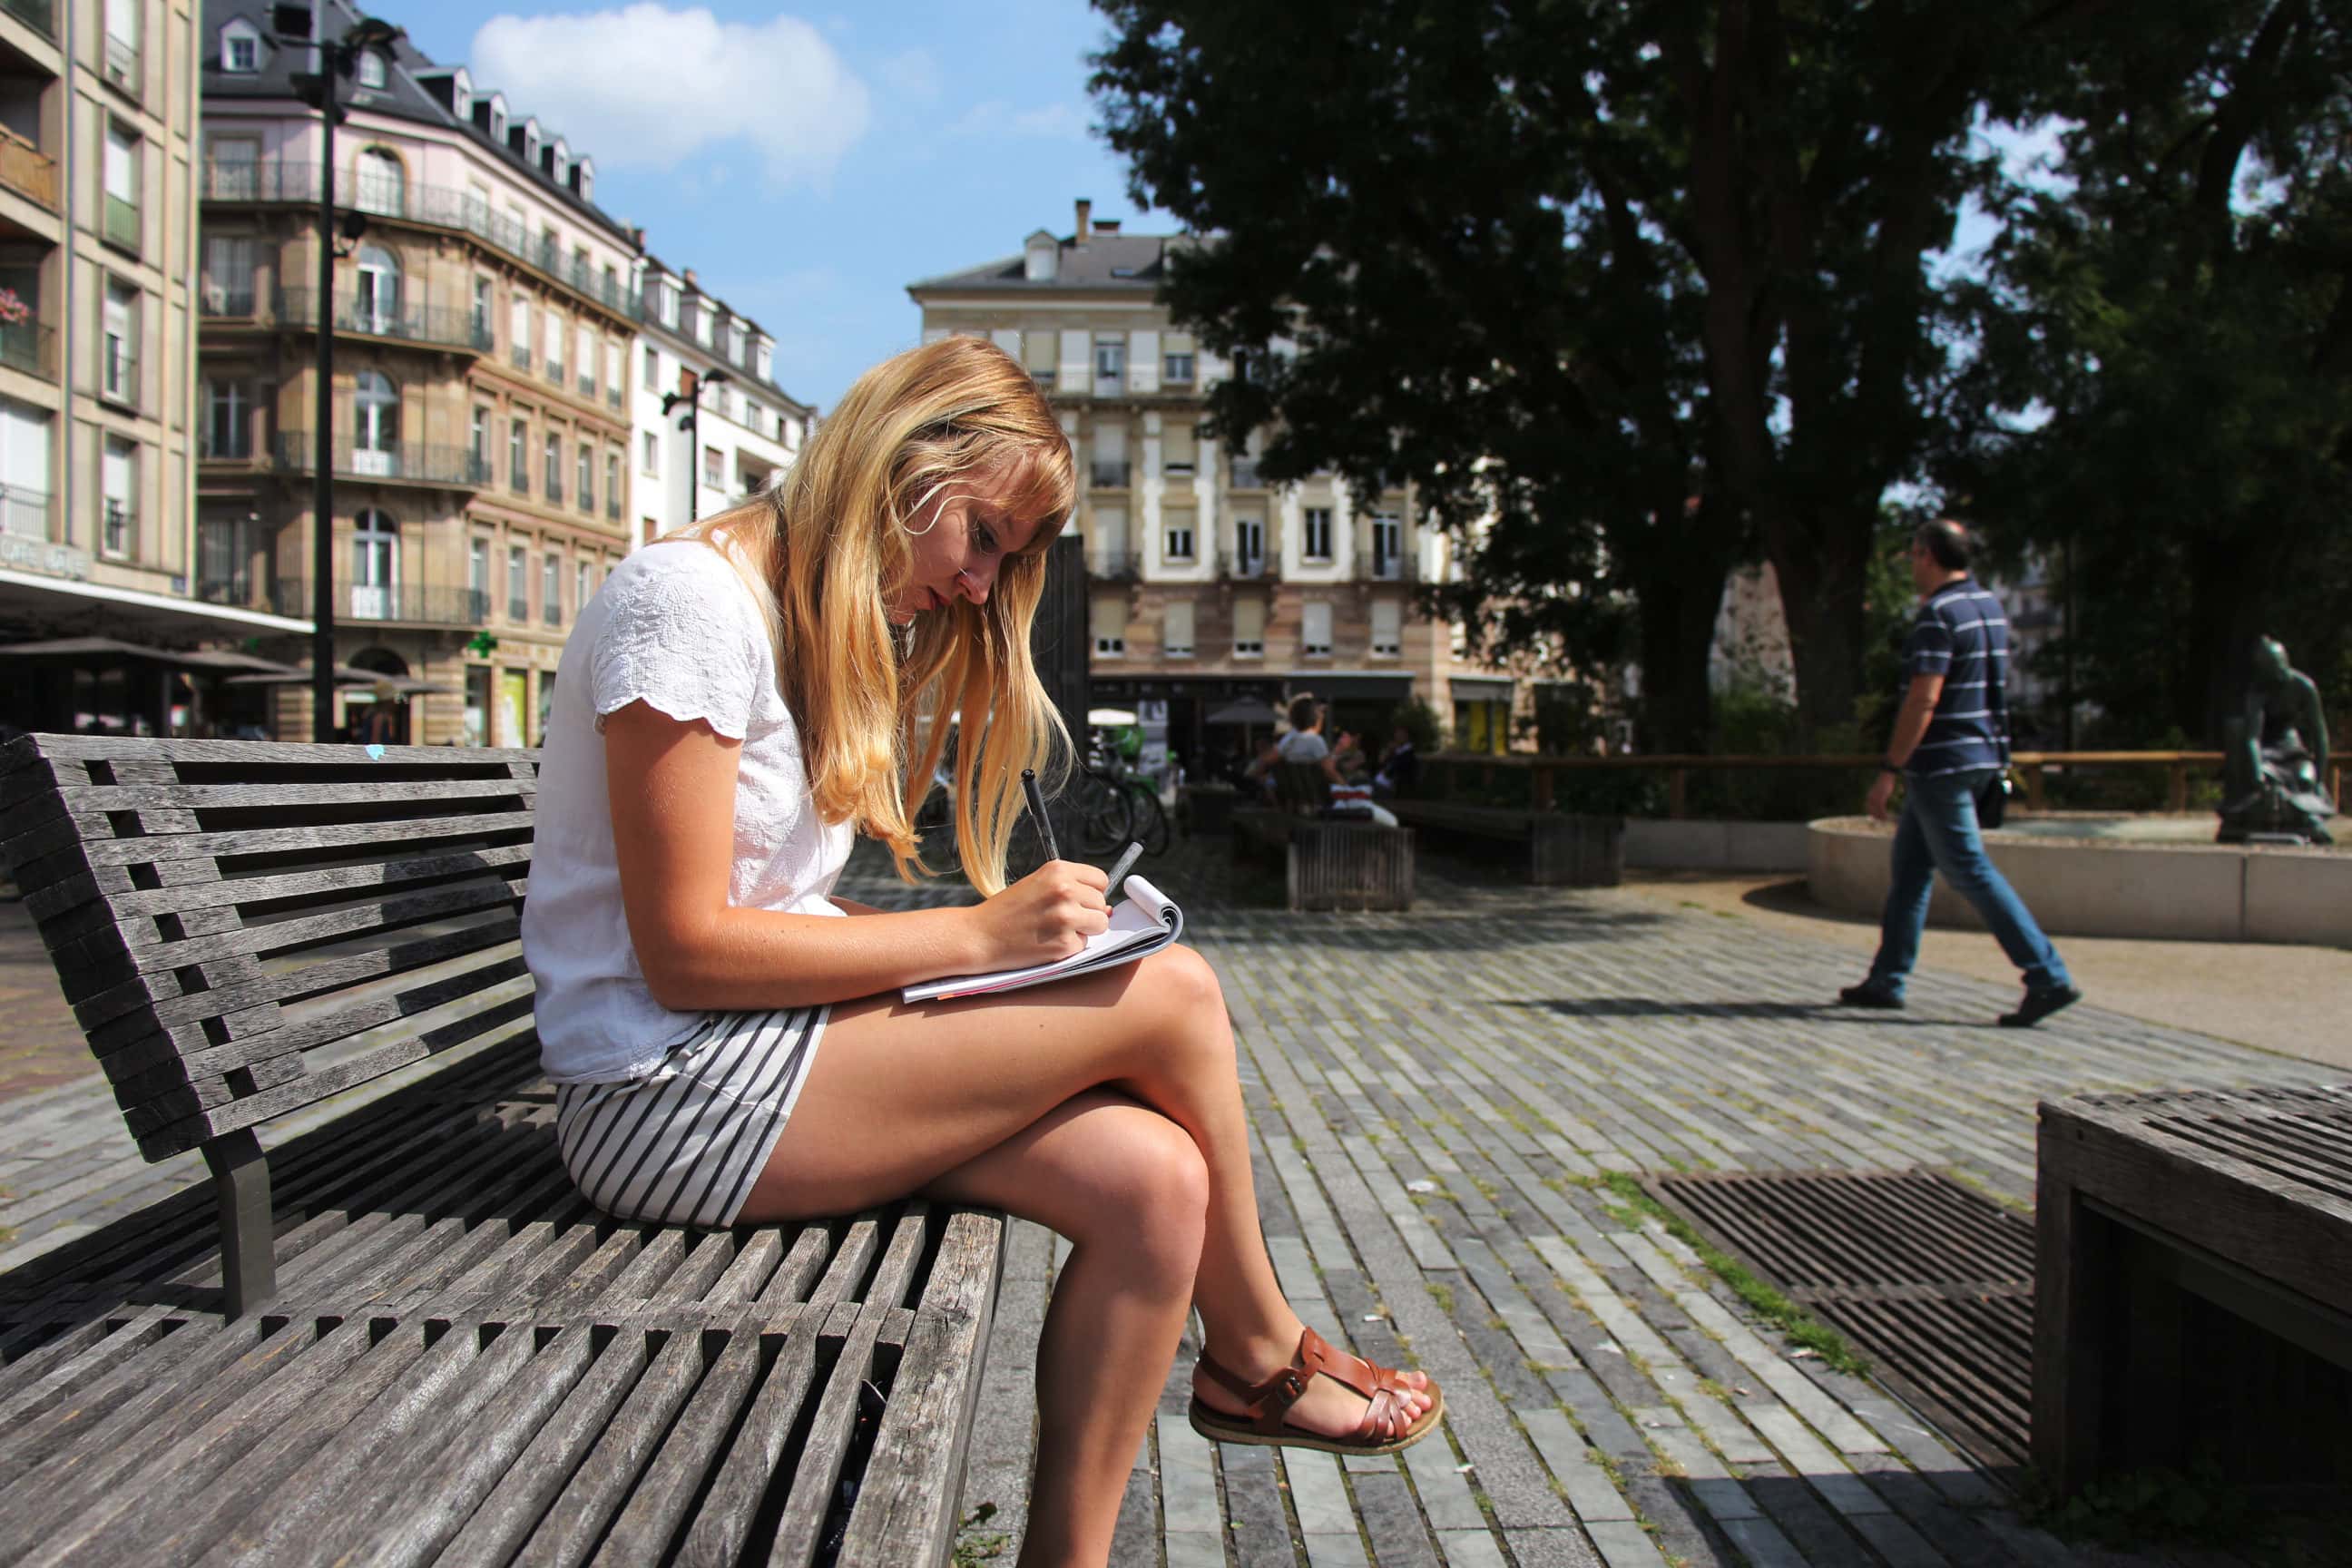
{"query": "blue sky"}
pixel 809 165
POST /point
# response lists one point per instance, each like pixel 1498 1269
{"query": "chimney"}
pixel 1085 220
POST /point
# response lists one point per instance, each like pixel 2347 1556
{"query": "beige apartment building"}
pixel 1208 585
pixel 483 315
pixel 98 415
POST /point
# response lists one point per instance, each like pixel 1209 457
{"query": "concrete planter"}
pixel 1658 844
pixel 2189 892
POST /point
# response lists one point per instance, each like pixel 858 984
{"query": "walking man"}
pixel 1947 746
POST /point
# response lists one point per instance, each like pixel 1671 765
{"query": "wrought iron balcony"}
pixel 413 463
pixel 297 182
pixel 1109 476
pixel 122 224
pixel 216 301
pixel 613 396
pixel 588 386
pixel 1246 475
pixel 1114 563
pixel 30 346
pixel 411 604
pixel 413 323
pixel 1257 568
pixel 1384 568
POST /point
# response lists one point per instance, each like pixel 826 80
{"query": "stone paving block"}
pixel 1439 1481
pixel 1188 1479
pixel 1392 1524
pixel 1336 1551
pixel 1591 1493
pixel 1625 1546
pixel 1822 1471
pixel 1470 1549
pixel 1318 1493
pixel 1551 1548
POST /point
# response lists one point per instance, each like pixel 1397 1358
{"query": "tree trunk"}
pixel 1681 593
pixel 1823 570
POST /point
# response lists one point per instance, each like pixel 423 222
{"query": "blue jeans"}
pixel 1938 833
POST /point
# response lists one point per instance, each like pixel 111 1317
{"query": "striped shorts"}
pixel 683 1144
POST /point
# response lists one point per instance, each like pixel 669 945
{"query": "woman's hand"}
pixel 1046 915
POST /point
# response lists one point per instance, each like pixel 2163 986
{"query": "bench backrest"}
pixel 247 927
pixel 1301 786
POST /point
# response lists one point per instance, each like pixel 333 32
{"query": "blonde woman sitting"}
pixel 735 705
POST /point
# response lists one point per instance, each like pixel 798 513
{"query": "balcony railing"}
pixel 237 588
pixel 1107 475
pixel 217 301
pixel 1397 568
pixel 1113 563
pixel 1257 568
pixel 38 15
pixel 552 614
pixel 556 492
pixel 118 374
pixel 613 397
pixel 122 224
pixel 411 603
pixel 407 463
pixel 122 66
pixel 518 609
pixel 24 514
pixel 119 527
pixel 588 386
pixel 27 171
pixel 29 346
pixel 520 354
pixel 1246 475
pixel 277 181
pixel 411 323
pixel 613 508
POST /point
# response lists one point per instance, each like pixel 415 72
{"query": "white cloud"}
pixel 996 119
pixel 647 85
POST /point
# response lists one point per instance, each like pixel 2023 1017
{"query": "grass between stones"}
pixel 1792 1319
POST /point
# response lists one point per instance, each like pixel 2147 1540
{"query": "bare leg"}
pixel 1128 1188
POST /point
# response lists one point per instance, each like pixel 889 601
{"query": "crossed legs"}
pixel 1108 1109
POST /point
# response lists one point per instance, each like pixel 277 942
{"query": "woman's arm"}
pixel 672 789
pixel 851 906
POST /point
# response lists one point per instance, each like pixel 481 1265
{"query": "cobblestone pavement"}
pixel 1430 1095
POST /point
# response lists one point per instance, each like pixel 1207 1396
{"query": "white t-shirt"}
pixel 1302 746
pixel 676 628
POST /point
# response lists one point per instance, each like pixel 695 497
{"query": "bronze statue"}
pixel 2274 757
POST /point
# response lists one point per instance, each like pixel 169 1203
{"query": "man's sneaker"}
pixel 1870 994
pixel 2039 1004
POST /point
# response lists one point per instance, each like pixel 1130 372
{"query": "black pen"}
pixel 1037 810
pixel 1120 867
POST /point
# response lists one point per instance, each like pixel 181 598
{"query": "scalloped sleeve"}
pixel 682 633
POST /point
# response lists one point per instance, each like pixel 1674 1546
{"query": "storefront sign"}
pixel 39 555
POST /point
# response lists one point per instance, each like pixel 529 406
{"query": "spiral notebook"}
pixel 1145 922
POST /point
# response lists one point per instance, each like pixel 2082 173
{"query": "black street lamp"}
pixel 337 60
pixel 691 422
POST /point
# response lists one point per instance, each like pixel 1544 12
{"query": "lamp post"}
pixel 337 60
pixel 692 425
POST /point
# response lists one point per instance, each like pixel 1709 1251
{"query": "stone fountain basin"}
pixel 2155 877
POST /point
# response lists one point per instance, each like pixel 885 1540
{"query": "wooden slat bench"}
pixel 2193 1286
pixel 1561 849
pixel 403 1337
pixel 1331 863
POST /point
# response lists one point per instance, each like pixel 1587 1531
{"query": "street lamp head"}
pixel 374 33
pixel 714 376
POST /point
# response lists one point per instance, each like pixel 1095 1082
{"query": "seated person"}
pixel 1348 757
pixel 1400 766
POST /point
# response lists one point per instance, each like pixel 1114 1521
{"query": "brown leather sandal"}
pixel 1269 1402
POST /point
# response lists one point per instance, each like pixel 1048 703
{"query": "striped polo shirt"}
pixel 1962 636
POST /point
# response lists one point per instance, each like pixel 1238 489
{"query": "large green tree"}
pixel 2162 392
pixel 1644 279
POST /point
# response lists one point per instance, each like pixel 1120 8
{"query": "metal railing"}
pixel 38 15
pixel 518 609
pixel 230 444
pixel 613 508
pixel 118 374
pixel 1113 563
pixel 415 463
pixel 1248 568
pixel 30 346
pixel 118 525
pixel 1246 475
pixel 24 514
pixel 588 386
pixel 409 323
pixel 416 603
pixel 554 494
pixel 122 224
pixel 520 354
pixel 239 588
pixel 1397 568
pixel 27 171
pixel 122 66
pixel 555 370
pixel 552 613
pixel 613 396
pixel 279 180
pixel 216 301
pixel 1108 476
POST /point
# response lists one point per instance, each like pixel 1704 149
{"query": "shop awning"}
pixel 300 675
pixel 40 601
pixel 1475 689
pixel 216 660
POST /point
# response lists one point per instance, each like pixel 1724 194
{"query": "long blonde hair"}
pixel 830 549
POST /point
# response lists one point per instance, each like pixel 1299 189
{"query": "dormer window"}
pixel 461 94
pixel 498 122
pixel 531 146
pixel 240 49
pixel 371 69
pixel 584 179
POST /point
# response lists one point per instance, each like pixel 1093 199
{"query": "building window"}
pixel 1315 536
pixel 377 305
pixel 551 469
pixel 612 484
pixel 381 182
pixel 228 429
pixel 1176 637
pixel 482 312
pixel 118 482
pixel 117 371
pixel 480 432
pixel 1110 625
pixel 518 458
pixel 519 328
pixel 652 368
pixel 1249 546
pixel 1111 363
pixel 478 569
pixel 1180 541
pixel 550 589
pixel 1249 628
pixel 240 51
pixel 375 423
pixel 579 588
pixel 375 566
pixel 1315 630
pixel 652 461
pixel 551 339
pixel 714 468
pixel 1176 369
pixel 517 584
pixel 371 71
pixel 1388 546
pixel 584 470
pixel 228 275
pixel 1387 629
